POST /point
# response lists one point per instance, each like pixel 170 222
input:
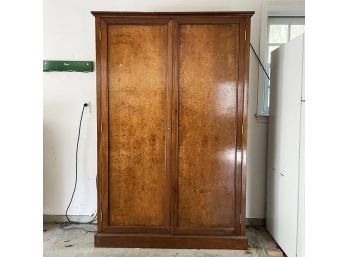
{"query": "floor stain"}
pixel 259 242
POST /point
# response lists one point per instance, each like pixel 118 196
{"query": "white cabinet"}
pixel 285 172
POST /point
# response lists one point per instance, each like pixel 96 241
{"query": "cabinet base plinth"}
pixel 170 241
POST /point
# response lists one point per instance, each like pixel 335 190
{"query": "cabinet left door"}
pixel 134 78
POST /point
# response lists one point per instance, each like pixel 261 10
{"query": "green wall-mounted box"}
pixel 69 66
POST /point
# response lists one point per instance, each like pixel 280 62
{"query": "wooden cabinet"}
pixel 172 108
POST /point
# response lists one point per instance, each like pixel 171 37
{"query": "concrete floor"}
pixel 76 242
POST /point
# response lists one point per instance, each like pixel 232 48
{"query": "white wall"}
pixel 69 35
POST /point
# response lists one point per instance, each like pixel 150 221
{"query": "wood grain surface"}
pixel 137 57
pixel 207 125
pixel 172 105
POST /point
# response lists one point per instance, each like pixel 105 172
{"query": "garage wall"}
pixel 69 35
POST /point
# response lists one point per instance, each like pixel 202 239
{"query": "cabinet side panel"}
pixel 137 61
pixel 207 125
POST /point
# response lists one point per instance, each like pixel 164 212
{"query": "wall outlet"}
pixel 88 108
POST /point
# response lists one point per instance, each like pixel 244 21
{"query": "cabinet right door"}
pixel 208 101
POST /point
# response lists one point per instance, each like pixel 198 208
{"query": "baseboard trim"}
pixel 255 222
pixel 86 218
pixel 62 218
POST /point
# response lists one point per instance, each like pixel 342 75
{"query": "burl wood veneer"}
pixel 172 108
pixel 137 115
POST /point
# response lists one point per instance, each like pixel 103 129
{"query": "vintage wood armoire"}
pixel 172 122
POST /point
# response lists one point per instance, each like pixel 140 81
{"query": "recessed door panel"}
pixel 208 61
pixel 137 93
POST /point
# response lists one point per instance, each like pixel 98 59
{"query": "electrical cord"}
pixel 70 222
pixel 260 62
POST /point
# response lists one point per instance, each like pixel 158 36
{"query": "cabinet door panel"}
pixel 137 82
pixel 208 60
